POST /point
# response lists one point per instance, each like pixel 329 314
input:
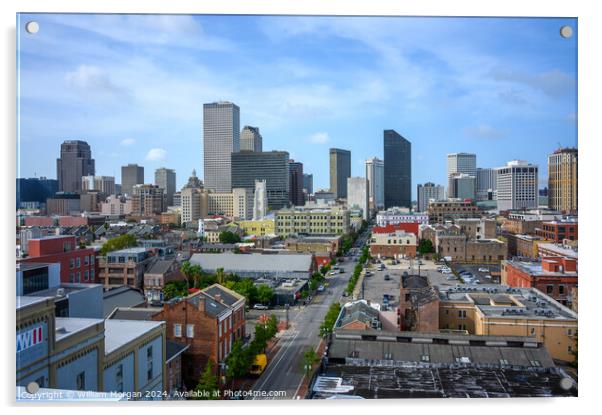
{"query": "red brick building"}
pixel 557 231
pixel 398 244
pixel 77 265
pixel 554 276
pixel 406 227
pixel 46 221
pixel 209 321
pixel 418 305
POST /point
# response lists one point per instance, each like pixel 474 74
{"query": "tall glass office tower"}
pixel 398 170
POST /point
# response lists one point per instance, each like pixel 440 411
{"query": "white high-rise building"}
pixel 460 163
pixel 517 186
pixel 260 200
pixel 427 192
pixel 375 173
pixel 486 184
pixel 221 138
pixel 357 195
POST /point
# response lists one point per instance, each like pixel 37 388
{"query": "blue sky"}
pixel 134 86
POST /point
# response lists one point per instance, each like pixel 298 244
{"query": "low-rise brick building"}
pixel 125 267
pixel 418 305
pixel 397 244
pixel 77 264
pixel 441 211
pixel 462 249
pixel 557 231
pixel 554 276
pixel 209 322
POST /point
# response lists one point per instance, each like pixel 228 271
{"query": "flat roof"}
pixel 121 332
pixel 25 266
pixel 68 326
pixel 134 250
pixel 26 301
pixel 568 252
pixel 67 289
pixel 503 301
pixel 536 268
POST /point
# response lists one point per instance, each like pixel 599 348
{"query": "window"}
pixel 569 332
pixel 462 313
pixel 561 289
pixel 71 277
pixel 92 259
pixel 149 362
pixel 549 289
pixel 86 275
pixel 177 330
pixel 78 262
pixel 71 263
pixel 92 274
pixel 190 331
pixel 86 260
pixel 80 381
pixel 532 330
pixel 570 349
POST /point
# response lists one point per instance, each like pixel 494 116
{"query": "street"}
pixel 284 372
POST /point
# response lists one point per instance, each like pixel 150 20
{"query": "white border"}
pixel 590 70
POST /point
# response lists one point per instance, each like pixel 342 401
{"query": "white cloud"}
pixel 91 79
pixel 128 142
pixel 156 154
pixel 319 138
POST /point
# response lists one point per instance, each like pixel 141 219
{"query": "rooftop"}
pixel 160 267
pixel 121 332
pixel 535 268
pixel 503 301
pixel 123 296
pixel 231 262
pixel 560 249
pixel 26 301
pixel 128 251
pixel 65 327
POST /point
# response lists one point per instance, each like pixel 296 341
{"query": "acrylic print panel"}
pixel 295 207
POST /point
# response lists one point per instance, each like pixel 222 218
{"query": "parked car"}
pixel 488 277
pixel 446 271
pixel 387 277
pixel 451 277
pixel 483 269
pixel 341 271
pixel 260 307
pixel 320 288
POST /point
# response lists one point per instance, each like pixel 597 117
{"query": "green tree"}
pixel 265 294
pixel 331 317
pixel 119 242
pixel 247 289
pixel 426 246
pixel 175 289
pixel 228 237
pixel 220 276
pixel 272 325
pixel 208 386
pixel 310 357
pixel 238 361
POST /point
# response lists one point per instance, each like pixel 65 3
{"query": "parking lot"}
pixel 375 287
pixel 478 275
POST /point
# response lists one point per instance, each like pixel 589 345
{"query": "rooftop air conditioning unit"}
pixel 60 292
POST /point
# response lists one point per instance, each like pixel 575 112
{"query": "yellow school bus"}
pixel 258 366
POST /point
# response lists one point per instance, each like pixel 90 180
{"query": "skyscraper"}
pixel 101 184
pixel 358 195
pixel 340 171
pixel 517 186
pixel 375 173
pixel 426 192
pixel 296 183
pixel 131 175
pixel 221 138
pixel 308 183
pixel 250 139
pixel 398 170
pixel 562 180
pixel 166 180
pixel 147 200
pixel 460 163
pixel 271 166
pixel 260 200
pixel 75 162
pixel 462 186
pixel 486 184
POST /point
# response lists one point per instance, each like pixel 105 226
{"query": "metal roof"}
pixel 121 332
pixel 231 262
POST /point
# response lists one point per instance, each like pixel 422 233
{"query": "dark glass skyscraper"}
pixel 271 166
pixel 340 171
pixel 75 161
pixel 398 170
pixel 296 183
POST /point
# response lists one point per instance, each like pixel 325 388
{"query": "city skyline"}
pixel 503 100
